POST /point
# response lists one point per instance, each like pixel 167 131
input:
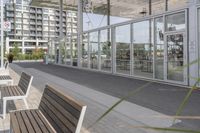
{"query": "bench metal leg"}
pixel 4 108
pixel 25 103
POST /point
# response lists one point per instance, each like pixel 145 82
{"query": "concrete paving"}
pixel 156 96
pixel 100 91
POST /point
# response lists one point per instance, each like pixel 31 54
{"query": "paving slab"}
pixel 119 120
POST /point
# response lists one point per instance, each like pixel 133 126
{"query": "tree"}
pixel 16 51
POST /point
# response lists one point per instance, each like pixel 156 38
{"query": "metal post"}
pixel 2 34
pixel 150 7
pixel 166 5
pixel 108 17
pixel 80 29
pixel 60 30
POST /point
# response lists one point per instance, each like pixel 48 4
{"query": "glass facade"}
pixel 143 49
pixel 93 50
pixel 106 50
pixel 84 52
pixel 152 47
pixel 159 48
pixel 123 42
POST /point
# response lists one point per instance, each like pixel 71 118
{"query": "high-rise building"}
pixel 33 27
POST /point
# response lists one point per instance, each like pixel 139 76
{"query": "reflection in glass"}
pixel 93 47
pixel 159 48
pixel 105 44
pixel 123 49
pixel 175 22
pixel 74 51
pixel 68 51
pixel 84 60
pixel 63 51
pixel 143 49
pixel 175 57
pixel 51 51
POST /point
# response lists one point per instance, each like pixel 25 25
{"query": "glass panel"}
pixel 123 49
pixel 105 44
pixel 93 47
pixel 74 51
pixel 64 50
pixel 159 48
pixel 84 60
pixel 175 57
pixel 199 37
pixel 68 51
pixel 175 22
pixel 143 49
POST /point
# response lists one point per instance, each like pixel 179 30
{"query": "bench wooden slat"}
pixel 33 122
pixel 24 82
pixel 21 123
pixel 55 114
pixel 15 92
pixel 65 122
pixel 14 123
pixel 7 92
pixel 56 120
pixel 67 106
pixel 44 125
pixel 66 98
pixel 27 122
pixel 50 119
pixel 11 92
pixel 64 112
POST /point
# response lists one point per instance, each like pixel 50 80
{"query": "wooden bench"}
pixel 56 113
pixel 6 80
pixel 18 92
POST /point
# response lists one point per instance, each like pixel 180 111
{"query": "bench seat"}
pixel 57 112
pixel 30 121
pixel 6 79
pixel 8 91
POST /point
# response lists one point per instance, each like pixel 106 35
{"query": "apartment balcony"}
pixel 39 17
pixel 10 8
pixel 19 22
pixel 32 34
pixel 10 15
pixel 26 22
pixel 39 29
pixel 39 11
pixel 32 28
pixel 39 23
pixel 32 17
pixel 32 11
pixel 32 23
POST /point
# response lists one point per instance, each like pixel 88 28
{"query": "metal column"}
pixel 2 34
pixel 60 30
pixel 80 30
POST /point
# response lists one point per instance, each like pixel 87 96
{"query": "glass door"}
pixel 175 58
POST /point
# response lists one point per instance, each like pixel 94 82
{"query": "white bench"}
pixel 57 113
pixel 18 92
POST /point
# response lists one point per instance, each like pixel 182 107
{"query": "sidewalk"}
pixel 122 119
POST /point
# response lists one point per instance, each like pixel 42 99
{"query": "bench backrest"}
pixel 6 64
pixel 63 113
pixel 25 82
